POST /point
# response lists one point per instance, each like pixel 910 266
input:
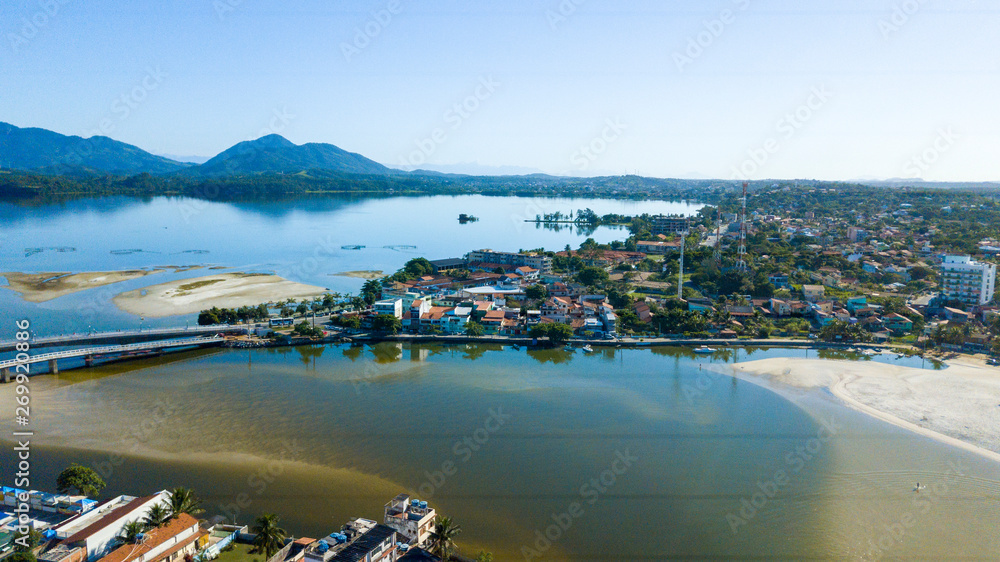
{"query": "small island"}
pixel 464 218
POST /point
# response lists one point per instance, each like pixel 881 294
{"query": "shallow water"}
pixel 693 463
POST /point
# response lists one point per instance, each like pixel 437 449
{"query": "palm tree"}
pixel 183 500
pixel 157 516
pixel 443 538
pixel 269 537
pixel 131 531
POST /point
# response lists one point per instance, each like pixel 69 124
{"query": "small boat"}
pixel 569 348
pixel 704 349
pixel 515 347
pixel 588 349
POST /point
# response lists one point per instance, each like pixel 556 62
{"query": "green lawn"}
pixel 240 554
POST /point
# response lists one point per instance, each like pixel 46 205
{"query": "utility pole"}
pixel 742 263
pixel 680 275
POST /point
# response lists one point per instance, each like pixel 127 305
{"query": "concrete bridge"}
pixel 126 336
pixel 8 368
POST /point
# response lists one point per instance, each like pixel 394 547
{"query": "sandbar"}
pixel 364 274
pixel 42 287
pixel 224 290
pixel 959 405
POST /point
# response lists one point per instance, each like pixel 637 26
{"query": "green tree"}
pixel 26 542
pixel 352 322
pixel 157 516
pixel 536 292
pixel 387 324
pixel 80 478
pixel 183 500
pixel 557 332
pixel 268 537
pixel 474 329
pixel 21 557
pixel 131 531
pixel 592 276
pixel 302 309
pixel 371 292
pixel 484 556
pixel 442 540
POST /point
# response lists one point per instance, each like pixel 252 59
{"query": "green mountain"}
pixel 276 154
pixel 50 152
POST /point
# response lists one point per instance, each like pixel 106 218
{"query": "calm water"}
pixel 321 434
pixel 300 239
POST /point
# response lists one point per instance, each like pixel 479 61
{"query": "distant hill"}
pixel 276 154
pixel 50 152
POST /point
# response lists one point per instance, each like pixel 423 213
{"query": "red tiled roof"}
pixel 155 538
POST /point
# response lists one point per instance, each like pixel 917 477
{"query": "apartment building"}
pixel 967 280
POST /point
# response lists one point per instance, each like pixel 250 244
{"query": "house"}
pixel 658 246
pixel 813 293
pixel 854 304
pixel 779 280
pixel 411 518
pixel 897 324
pixel 780 308
pixel 97 530
pixel 181 536
pixel 390 307
pixel 360 540
pixel 643 312
pixel 955 315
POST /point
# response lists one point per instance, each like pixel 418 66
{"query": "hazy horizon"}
pixel 722 89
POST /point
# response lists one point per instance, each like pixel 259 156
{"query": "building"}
pixel 813 293
pixel 669 224
pixel 967 281
pixel 97 530
pixel 540 262
pixel 658 246
pixel 411 518
pixel 179 537
pixel 391 307
pixel 360 540
pixel 855 234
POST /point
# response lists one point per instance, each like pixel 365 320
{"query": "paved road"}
pixel 113 349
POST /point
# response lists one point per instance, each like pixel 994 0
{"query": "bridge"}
pixel 123 336
pixel 90 353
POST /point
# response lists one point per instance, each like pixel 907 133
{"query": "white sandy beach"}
pixel 959 405
pixel 42 287
pixel 224 290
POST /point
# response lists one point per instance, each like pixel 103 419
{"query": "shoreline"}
pixel 958 406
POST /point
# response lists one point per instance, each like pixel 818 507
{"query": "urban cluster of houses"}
pixel 76 529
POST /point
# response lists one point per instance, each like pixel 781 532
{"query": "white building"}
pixel 391 307
pixel 412 519
pixel 540 262
pixel 967 280
pixel 97 530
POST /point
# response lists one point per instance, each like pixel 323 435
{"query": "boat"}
pixel 704 349
pixel 569 348
pixel 515 347
pixel 588 349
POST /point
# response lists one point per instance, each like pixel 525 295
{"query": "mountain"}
pixel 50 152
pixel 275 153
pixel 475 169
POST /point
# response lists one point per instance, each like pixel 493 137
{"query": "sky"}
pixel 835 90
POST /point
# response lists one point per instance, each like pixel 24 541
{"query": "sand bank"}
pixel 365 274
pixel 959 405
pixel 225 290
pixel 41 287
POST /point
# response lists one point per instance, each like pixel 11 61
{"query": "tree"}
pixel 592 276
pixel 80 478
pixel 26 542
pixel 536 292
pixel 371 291
pixel 557 332
pixel 352 322
pixel 474 329
pixel 442 540
pixel 131 531
pixel 21 557
pixel 157 516
pixel 484 556
pixel 269 538
pixel 387 324
pixel 302 308
pixel 183 500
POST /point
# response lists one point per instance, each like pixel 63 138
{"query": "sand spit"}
pixel 42 287
pixel 365 274
pixel 959 405
pixel 225 290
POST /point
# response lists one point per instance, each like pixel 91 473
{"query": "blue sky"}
pixel 708 88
